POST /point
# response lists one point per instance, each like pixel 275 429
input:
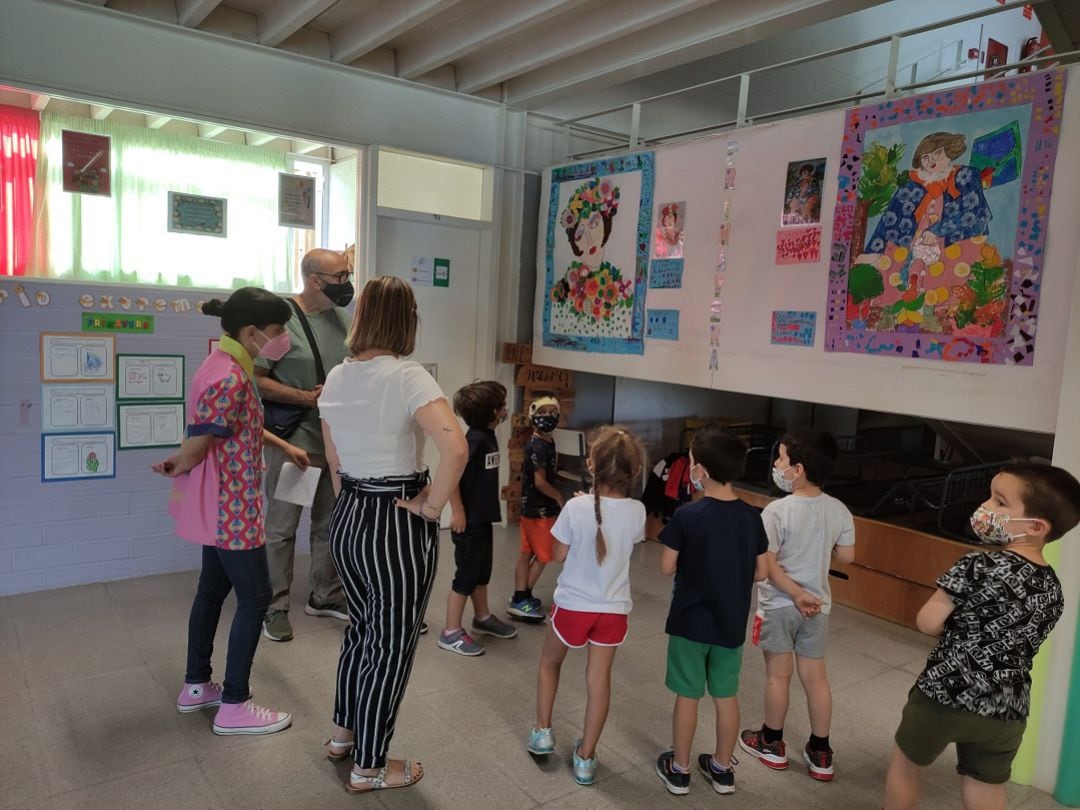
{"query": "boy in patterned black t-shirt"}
pixel 991 611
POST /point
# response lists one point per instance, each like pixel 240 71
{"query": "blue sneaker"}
pixel 584 769
pixel 541 741
pixel 530 609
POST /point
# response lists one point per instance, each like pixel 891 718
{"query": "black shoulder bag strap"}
pixel 320 372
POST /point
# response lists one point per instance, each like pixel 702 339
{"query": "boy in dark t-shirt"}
pixel 991 612
pixel 474 507
pixel 716 549
pixel 541 503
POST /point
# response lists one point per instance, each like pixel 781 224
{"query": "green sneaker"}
pixel 276 626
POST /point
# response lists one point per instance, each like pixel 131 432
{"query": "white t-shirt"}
pixel 802 533
pixel 369 406
pixel 583 584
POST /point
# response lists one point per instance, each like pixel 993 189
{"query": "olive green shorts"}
pixel 985 746
pixel 691 666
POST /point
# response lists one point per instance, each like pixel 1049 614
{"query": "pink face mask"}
pixel 275 347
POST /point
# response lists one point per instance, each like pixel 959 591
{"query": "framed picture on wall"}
pixel 193 213
pixel 296 200
pixel 87 163
pixel 997 54
pixel 940 220
pixel 597 254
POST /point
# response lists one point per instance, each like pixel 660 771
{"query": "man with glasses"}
pixel 294 380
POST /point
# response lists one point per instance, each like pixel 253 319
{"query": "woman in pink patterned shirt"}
pixel 217 502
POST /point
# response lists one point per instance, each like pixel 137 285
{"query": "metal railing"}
pixel 628 141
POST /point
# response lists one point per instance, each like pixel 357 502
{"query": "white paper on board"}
pixel 70 407
pixel 296 485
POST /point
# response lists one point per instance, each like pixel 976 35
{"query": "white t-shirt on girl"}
pixel 583 584
pixel 369 406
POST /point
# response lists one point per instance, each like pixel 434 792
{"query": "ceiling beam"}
pixel 590 28
pixel 157 121
pixel 210 130
pixel 1055 29
pixel 471 33
pixel 702 33
pixel 39 101
pixel 258 138
pixel 191 13
pixel 379 25
pixel 100 112
pixel 286 17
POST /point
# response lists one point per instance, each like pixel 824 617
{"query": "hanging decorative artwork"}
pixel 940 222
pixel 597 255
pixel 802 192
pixel 668 234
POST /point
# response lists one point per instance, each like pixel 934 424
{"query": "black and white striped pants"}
pixel 386 558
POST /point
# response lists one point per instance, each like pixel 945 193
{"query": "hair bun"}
pixel 214 307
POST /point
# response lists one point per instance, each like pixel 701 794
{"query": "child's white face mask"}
pixel 989 526
pixel 781 480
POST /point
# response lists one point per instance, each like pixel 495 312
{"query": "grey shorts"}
pixel 785 630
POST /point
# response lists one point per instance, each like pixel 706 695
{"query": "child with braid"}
pixel 594 536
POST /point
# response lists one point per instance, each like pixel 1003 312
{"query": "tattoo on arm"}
pixel 447 429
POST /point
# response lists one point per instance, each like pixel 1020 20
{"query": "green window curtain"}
pixel 125 237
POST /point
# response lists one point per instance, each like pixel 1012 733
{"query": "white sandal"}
pixel 338 751
pixel 359 783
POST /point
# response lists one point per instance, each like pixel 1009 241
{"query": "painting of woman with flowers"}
pixel 939 223
pixel 594 290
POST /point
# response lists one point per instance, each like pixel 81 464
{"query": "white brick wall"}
pixel 55 534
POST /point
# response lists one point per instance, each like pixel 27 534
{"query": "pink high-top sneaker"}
pixel 247 718
pixel 195 696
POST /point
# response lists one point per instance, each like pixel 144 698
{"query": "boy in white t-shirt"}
pixel 807 530
pixel 594 536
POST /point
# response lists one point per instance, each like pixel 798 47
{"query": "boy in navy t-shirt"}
pixel 716 548
pixel 474 507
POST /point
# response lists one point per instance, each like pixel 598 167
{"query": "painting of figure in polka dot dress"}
pixel 940 223
pixel 597 255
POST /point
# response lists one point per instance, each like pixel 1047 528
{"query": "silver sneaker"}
pixel 459 642
pixel 492 626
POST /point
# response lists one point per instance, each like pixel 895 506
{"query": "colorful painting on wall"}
pixel 668 234
pixel 940 221
pixel 597 255
pixel 802 192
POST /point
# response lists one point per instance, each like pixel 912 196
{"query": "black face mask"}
pixel 545 422
pixel 339 294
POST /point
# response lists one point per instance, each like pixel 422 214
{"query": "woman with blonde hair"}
pixel 376 409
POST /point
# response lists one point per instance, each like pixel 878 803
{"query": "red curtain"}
pixel 19 130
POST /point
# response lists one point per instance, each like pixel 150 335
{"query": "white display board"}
pixel 755 286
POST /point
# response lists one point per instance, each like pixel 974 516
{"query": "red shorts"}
pixel 576 628
pixel 536 537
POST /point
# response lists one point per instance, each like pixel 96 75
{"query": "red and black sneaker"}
pixel 774 755
pixel 819 763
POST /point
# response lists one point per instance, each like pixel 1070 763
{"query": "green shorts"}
pixel 692 665
pixel 985 746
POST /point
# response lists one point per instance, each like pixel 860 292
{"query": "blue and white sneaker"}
pixel 530 609
pixel 541 741
pixel 584 769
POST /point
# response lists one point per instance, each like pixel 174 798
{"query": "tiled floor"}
pixel 89 676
